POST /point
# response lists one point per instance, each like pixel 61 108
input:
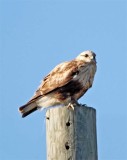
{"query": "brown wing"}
pixel 58 77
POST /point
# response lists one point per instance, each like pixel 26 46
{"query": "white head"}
pixel 87 56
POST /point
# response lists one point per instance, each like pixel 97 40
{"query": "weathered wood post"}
pixel 71 134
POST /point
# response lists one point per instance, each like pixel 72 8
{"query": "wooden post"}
pixel 71 134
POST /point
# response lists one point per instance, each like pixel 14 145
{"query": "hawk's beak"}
pixel 94 56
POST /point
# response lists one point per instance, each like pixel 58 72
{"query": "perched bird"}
pixel 64 85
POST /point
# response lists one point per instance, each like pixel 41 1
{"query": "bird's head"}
pixel 87 56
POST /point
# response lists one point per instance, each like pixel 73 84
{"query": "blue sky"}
pixel 36 35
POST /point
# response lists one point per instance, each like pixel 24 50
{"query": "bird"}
pixel 64 85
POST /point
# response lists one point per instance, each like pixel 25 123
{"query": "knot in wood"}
pixel 67 146
pixel 68 124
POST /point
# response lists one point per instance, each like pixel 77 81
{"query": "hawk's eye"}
pixel 86 55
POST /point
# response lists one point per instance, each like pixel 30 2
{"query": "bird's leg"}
pixel 73 104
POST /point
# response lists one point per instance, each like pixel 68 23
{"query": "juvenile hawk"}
pixel 65 84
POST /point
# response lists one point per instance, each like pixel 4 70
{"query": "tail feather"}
pixel 26 109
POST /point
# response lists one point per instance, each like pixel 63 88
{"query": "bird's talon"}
pixel 85 105
pixel 71 106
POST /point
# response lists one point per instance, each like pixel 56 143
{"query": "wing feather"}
pixel 58 77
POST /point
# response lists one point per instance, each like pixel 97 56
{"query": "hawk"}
pixel 64 85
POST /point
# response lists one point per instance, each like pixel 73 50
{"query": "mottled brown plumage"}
pixel 66 83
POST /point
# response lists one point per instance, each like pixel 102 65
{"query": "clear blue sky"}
pixel 36 35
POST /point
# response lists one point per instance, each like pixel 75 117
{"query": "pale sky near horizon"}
pixel 36 35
